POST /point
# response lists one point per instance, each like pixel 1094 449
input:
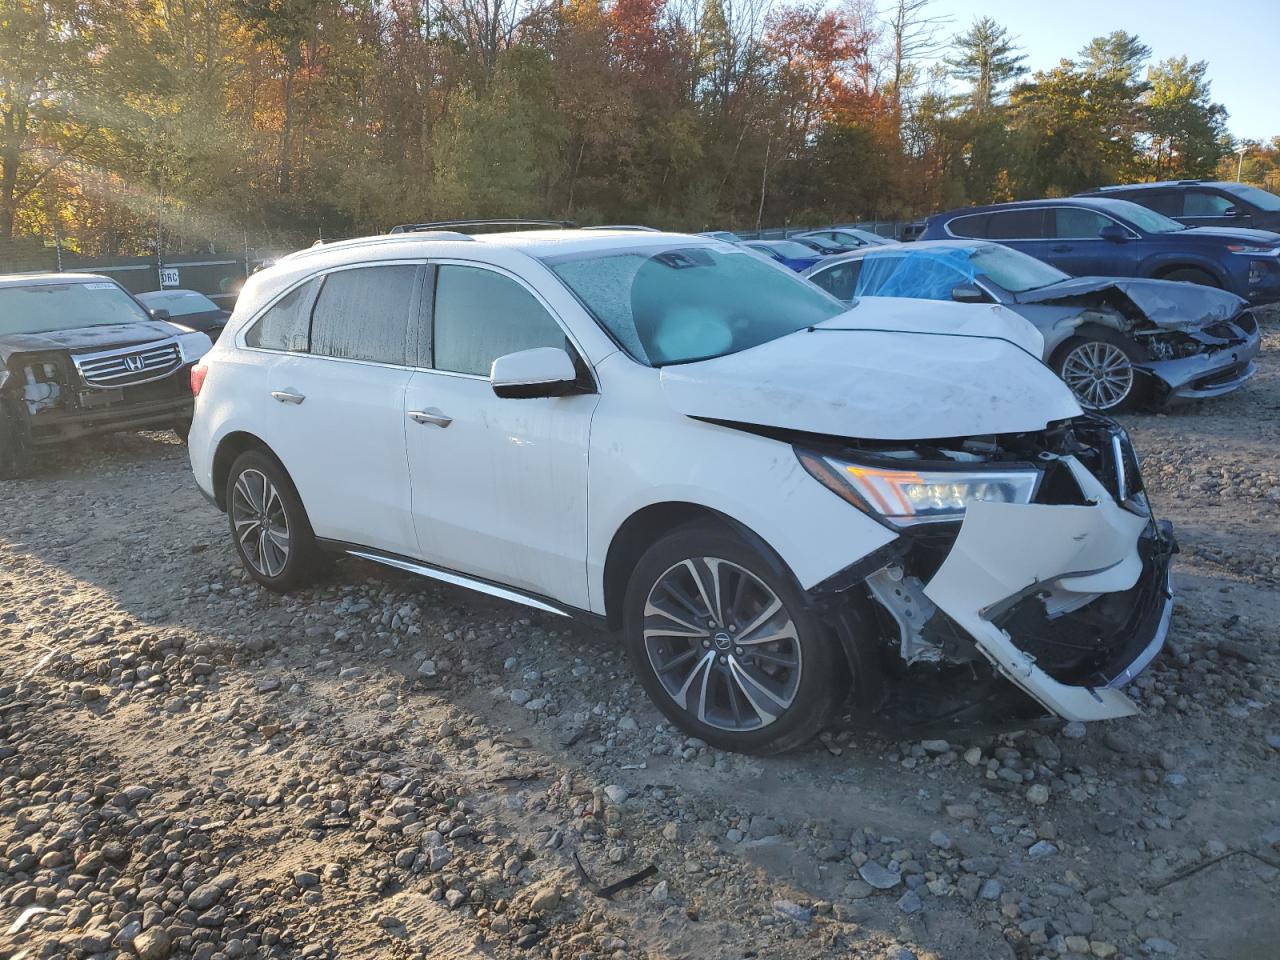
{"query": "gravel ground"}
pixel 384 767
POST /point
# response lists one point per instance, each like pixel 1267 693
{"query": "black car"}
pixel 1202 203
pixel 188 308
pixel 80 355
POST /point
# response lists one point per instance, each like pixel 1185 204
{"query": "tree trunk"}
pixel 15 132
pixel 286 128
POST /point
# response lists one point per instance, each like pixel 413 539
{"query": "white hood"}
pixel 888 369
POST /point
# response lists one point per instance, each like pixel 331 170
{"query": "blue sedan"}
pixel 787 252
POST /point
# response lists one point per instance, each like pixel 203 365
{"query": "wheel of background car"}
pixel 13 455
pixel 269 526
pixel 1191 275
pixel 183 429
pixel 1098 367
pixel 726 645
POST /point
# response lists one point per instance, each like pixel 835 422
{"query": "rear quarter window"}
pixel 285 324
pixel 973 226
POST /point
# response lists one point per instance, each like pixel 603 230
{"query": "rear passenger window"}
pixel 481 315
pixel 1016 225
pixel 1161 201
pixel 284 326
pixel 1201 203
pixel 1074 223
pixel 363 313
pixel 974 227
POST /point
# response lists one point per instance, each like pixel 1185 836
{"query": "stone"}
pixel 616 793
pixel 962 811
pixel 973 756
pixel 1041 849
pixel 910 902
pixel 659 893
pixel 1037 794
pixel 546 900
pixel 991 889
pixel 305 880
pixel 879 876
pixel 858 890
pixel 940 840
pixel 520 697
pixel 793 911
pixel 204 896
pixel 454 898
pixel 935 746
pixel 1159 946
pixel 1074 730
pixel 152 944
pixel 427 668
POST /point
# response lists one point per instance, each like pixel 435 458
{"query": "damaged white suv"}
pixel 783 503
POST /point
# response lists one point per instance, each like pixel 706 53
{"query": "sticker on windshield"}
pixel 99 286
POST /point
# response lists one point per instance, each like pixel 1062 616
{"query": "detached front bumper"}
pixel 1225 365
pixel 1068 602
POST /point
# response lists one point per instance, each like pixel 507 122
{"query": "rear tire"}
pixel 1098 366
pixel 739 677
pixel 1191 275
pixel 268 523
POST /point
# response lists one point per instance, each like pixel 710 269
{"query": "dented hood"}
pixel 1166 303
pixel 884 370
pixel 88 339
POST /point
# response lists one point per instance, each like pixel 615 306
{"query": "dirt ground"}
pixel 385 767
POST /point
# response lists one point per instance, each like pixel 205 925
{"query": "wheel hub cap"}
pixel 1100 374
pixel 723 644
pixel 261 526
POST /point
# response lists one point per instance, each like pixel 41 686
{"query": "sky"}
pixel 1240 39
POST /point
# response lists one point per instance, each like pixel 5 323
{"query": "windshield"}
pixel 1016 272
pixel 1144 218
pixel 1262 199
pixel 179 303
pixel 679 304
pixel 46 307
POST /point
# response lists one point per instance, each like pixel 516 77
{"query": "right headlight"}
pixel 903 497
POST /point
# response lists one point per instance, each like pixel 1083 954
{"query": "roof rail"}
pixel 455 224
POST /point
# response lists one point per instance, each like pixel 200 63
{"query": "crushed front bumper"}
pixel 1021 580
pixel 1224 365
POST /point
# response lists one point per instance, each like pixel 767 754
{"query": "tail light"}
pixel 198 373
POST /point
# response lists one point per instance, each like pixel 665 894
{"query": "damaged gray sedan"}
pixel 1118 343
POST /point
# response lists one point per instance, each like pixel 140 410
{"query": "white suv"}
pixel 783 503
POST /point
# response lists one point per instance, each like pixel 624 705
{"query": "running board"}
pixel 458 580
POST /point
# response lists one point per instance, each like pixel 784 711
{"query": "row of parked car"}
pixel 790 495
pixel 1134 307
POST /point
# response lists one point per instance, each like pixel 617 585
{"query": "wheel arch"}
pixel 646 526
pixel 229 448
pixel 1162 267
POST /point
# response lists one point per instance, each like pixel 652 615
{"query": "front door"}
pixel 499 485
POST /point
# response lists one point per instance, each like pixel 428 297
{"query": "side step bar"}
pixel 459 580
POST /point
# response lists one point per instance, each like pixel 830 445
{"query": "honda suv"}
pixel 1203 203
pixel 1099 236
pixel 783 503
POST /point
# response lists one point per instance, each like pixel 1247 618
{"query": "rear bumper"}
pixel 1224 366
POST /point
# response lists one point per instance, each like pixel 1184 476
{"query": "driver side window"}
pixel 840 279
pixel 481 315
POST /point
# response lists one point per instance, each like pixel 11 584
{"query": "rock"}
pixel 1077 944
pixel 204 896
pixel 454 898
pixel 1074 730
pixel 793 911
pixel 935 746
pixel 546 900
pixel 1038 794
pixel 152 944
pixel 659 893
pixel 520 697
pixel 437 857
pixel 1241 651
pixel 910 902
pixel 95 940
pixel 268 684
pixel 962 811
pixel 1160 946
pixel 305 880
pixel 1273 741
pixel 616 793
pixel 991 889
pixel 1041 849
pixel 973 756
pixel 900 952
pixel 1102 949
pixel 879 876
pixel 858 890
pixel 940 840
pixel 427 668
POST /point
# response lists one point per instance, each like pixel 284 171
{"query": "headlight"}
pixel 1253 250
pixel 906 497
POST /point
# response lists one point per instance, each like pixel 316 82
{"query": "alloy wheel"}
pixel 261 525
pixel 1100 374
pixel 722 644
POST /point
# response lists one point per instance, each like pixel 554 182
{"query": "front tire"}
pixel 269 525
pixel 725 643
pixel 1100 368
pixel 1191 275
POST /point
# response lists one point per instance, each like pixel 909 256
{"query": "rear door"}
pixel 499 485
pixel 1021 229
pixel 336 403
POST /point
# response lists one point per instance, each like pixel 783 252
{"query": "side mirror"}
pixel 968 293
pixel 540 372
pixel 1114 232
pixel 159 313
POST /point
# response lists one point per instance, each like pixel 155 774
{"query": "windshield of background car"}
pixel 680 304
pixel 1261 199
pixel 181 303
pixel 1016 272
pixel 46 307
pixel 1143 218
pixel 791 249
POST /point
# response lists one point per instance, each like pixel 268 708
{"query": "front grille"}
pixel 122 368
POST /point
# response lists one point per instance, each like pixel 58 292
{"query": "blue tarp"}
pixel 924 274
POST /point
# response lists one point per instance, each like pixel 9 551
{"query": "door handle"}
pixel 1062 248
pixel 431 415
pixel 287 396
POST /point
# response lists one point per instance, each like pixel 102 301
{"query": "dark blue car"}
pixel 1096 236
pixel 787 252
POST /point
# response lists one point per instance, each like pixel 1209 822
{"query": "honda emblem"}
pixel 133 363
